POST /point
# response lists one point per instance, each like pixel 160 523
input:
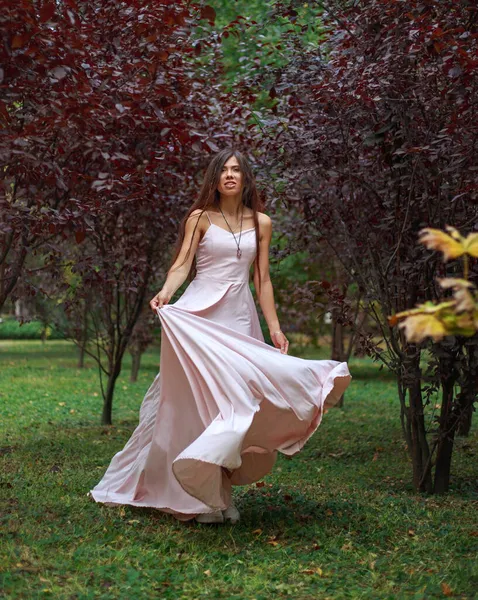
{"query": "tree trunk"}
pixel 412 417
pixel 469 394
pixel 14 275
pixel 443 463
pixel 448 421
pixel 338 351
pixel 466 417
pixel 446 435
pixel 135 365
pixel 120 344
pixel 84 337
pixel 81 358
pixel 107 414
pixel 2 280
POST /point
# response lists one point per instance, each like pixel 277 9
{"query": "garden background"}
pixel 359 119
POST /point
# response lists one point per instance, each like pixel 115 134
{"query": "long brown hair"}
pixel 209 195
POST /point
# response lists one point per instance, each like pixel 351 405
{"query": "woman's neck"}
pixel 231 205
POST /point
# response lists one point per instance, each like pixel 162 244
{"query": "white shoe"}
pixel 231 514
pixel 213 517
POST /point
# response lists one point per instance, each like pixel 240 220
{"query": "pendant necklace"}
pixel 239 251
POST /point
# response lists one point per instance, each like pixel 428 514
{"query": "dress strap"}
pixel 207 215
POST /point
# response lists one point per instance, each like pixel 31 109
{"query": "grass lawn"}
pixel 338 520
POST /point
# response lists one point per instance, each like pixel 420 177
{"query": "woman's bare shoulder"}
pixel 198 215
pixel 197 220
pixel 264 220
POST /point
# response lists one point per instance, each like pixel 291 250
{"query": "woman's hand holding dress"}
pixel 159 300
pixel 280 341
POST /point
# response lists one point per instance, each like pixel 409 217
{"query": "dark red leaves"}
pixel 4 111
pixel 18 41
pixel 153 37
pixel 103 106
pixel 378 136
pixel 212 146
pixel 208 12
pixel 47 11
pixel 80 236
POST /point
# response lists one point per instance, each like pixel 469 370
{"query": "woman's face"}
pixel 230 182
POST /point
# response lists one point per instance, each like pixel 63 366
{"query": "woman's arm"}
pixel 266 295
pixel 178 272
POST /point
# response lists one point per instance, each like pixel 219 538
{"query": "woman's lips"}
pixel 230 184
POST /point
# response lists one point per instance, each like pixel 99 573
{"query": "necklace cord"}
pixel 240 234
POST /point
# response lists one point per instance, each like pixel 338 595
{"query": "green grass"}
pixel 338 520
pixel 11 329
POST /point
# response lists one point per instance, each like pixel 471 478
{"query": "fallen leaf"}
pixel 446 589
pixel 317 571
pixel 375 456
pixel 305 517
pixel 257 531
pixel 411 533
pixel 208 573
pixel 273 543
pixel 260 484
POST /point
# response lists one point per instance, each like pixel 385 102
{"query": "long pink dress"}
pixel 224 402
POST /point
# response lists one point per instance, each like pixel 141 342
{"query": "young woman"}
pixel 224 402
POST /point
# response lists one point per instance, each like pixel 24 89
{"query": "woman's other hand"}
pixel 159 300
pixel 280 341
